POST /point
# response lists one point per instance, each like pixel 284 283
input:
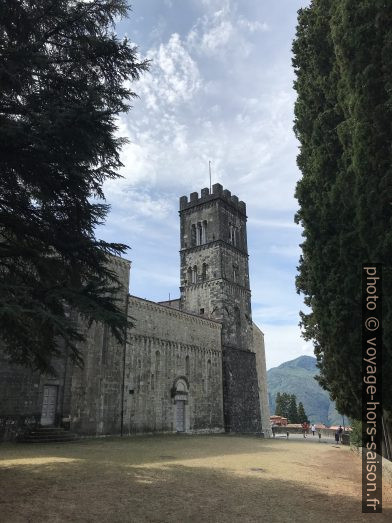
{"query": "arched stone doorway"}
pixel 180 394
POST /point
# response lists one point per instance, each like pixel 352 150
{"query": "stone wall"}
pixel 87 400
pixel 21 395
pixel 258 348
pixel 166 347
pixel 96 395
pixel 241 391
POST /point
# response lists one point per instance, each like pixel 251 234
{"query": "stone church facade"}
pixel 194 364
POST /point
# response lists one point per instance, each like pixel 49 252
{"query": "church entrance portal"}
pixel 180 415
pixel 48 413
pixel 180 400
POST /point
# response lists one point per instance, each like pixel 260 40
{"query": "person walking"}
pixel 337 436
pixel 340 430
pixel 313 429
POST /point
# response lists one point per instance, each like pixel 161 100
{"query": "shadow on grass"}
pixel 83 491
pixel 142 449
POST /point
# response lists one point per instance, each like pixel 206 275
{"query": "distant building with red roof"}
pixel 280 421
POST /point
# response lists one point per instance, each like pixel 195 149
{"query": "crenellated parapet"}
pixel 217 193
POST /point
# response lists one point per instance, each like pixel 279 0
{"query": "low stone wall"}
pixel 12 426
pixel 329 433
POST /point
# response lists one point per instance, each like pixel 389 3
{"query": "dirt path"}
pixel 183 479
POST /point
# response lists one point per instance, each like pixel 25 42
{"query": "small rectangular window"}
pixel 201 311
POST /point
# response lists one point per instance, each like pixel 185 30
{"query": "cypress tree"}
pixel 278 405
pixel 282 404
pixel 342 60
pixel 292 413
pixel 302 417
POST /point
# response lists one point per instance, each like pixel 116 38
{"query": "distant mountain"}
pixel 297 377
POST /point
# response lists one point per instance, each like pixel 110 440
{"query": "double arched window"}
pixel 192 274
pixel 233 232
pixel 199 233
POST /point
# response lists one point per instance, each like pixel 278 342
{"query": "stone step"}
pixel 46 440
pixel 47 429
pixel 33 435
pixel 38 432
pixel 46 435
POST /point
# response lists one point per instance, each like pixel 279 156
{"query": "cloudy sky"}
pixel 219 89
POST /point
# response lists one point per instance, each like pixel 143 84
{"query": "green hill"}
pixel 297 377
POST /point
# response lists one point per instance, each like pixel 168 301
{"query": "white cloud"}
pixel 173 77
pixel 217 37
pixel 221 32
pixel 253 26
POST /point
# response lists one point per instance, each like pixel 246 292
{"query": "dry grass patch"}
pixel 182 479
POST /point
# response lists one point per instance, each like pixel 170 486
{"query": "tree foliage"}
pixel 302 417
pixel 292 413
pixel 343 119
pixel 64 79
pixel 286 406
pixel 280 407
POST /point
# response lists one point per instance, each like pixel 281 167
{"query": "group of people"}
pixel 305 430
pixel 305 427
pixel 338 432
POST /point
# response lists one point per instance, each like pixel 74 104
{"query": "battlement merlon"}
pixel 217 193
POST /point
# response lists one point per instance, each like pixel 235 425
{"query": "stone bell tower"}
pixel 215 283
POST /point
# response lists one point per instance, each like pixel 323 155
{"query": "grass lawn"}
pixel 173 478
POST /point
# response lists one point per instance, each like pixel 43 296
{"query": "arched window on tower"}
pixel 194 274
pixel 232 234
pixel 189 275
pixel 204 272
pixel 204 232
pixel 187 366
pixel 199 234
pixel 193 235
